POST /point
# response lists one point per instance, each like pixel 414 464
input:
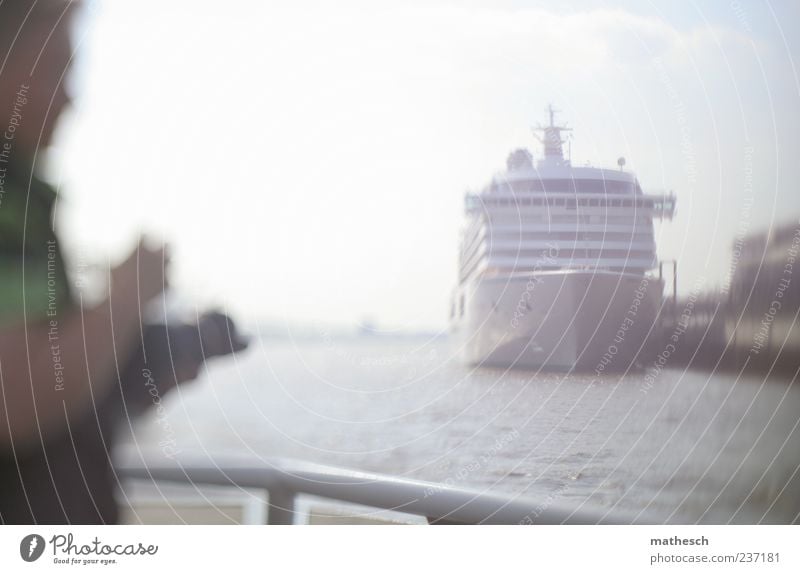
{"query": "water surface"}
pixel 688 446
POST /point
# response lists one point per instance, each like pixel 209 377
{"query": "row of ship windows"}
pixel 546 255
pixel 568 236
pixel 556 259
pixel 518 236
pixel 567 186
pixel 566 202
pixel 572 218
pixel 573 236
pixel 575 253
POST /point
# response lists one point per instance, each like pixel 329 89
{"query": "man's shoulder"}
pixel 26 205
pixel 33 280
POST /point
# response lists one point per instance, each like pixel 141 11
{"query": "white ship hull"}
pixel 565 319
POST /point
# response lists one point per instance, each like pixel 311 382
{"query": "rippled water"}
pixel 691 446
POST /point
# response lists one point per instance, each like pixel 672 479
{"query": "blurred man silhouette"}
pixel 68 374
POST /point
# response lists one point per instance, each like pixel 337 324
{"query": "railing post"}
pixel 281 506
pixel 675 282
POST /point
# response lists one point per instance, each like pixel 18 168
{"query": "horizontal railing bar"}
pixel 287 478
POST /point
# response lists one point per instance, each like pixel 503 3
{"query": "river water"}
pixel 683 445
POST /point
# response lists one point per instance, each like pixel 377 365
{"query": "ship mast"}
pixel 552 140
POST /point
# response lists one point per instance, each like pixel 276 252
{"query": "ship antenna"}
pixel 569 149
pixel 551 139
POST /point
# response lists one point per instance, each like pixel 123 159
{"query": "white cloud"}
pixel 308 159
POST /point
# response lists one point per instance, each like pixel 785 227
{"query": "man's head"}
pixel 35 53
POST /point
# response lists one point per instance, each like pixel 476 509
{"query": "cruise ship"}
pixel 558 264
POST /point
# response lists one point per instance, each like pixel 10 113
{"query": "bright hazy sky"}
pixel 307 160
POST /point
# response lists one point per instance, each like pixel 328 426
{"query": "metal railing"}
pixel 285 480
